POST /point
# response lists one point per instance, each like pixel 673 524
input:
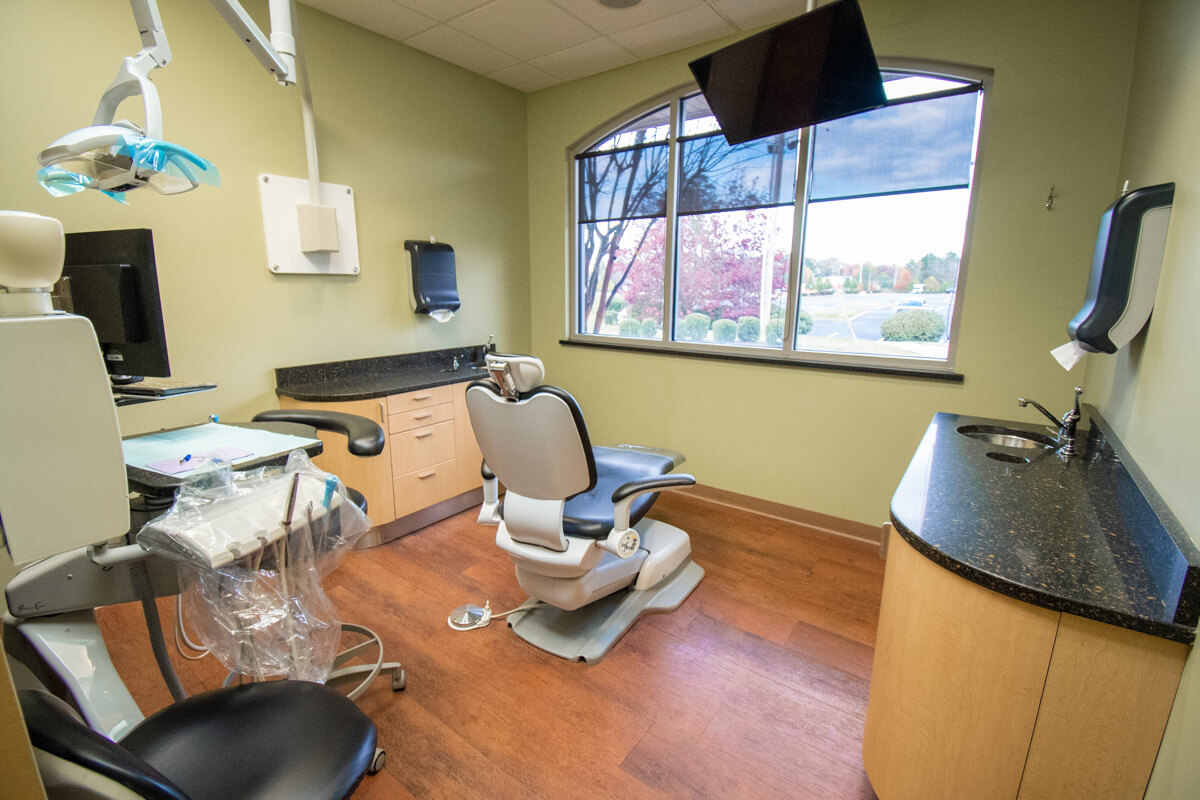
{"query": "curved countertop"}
pixel 1088 536
pixel 366 378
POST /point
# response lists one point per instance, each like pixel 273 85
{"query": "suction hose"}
pixel 158 643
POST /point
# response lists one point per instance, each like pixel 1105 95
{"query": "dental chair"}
pixel 573 518
pixel 65 510
pixel 290 738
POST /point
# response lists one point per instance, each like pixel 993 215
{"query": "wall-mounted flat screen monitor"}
pixel 110 277
pixel 814 68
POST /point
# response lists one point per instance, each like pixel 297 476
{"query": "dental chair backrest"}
pixel 62 471
pixel 534 440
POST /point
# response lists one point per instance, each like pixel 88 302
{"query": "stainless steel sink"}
pixel 1008 437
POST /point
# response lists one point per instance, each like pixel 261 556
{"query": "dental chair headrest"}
pixel 515 375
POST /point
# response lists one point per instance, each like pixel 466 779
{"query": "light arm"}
pixel 133 75
pixel 278 54
pixel 154 38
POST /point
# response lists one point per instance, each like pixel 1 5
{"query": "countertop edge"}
pixel 1163 630
pixel 310 394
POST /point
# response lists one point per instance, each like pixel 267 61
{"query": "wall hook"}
pixel 1050 198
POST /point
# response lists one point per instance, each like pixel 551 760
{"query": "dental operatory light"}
pixel 116 156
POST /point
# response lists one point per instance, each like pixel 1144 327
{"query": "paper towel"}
pixel 1069 354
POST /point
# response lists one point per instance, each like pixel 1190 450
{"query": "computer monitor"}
pixel 814 68
pixel 110 277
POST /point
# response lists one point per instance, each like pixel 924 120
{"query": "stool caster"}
pixel 377 761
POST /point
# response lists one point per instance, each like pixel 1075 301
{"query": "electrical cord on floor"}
pixel 181 636
pixel 470 617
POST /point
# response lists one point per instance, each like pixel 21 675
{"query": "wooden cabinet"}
pixel 430 456
pixel 976 694
pixel 467 456
pixel 370 475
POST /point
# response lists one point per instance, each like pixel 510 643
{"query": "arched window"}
pixel 842 243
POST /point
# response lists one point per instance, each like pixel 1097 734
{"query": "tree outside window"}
pixel 878 232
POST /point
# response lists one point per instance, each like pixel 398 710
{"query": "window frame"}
pixel 787 354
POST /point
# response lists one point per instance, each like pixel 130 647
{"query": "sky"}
pixel 887 230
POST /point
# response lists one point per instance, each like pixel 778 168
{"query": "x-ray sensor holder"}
pixel 434 284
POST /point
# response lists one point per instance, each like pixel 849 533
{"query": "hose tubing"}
pixel 141 584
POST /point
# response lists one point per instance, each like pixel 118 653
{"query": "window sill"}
pixel 776 361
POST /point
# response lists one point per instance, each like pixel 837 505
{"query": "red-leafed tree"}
pixel 721 263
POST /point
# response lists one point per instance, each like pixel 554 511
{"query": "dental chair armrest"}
pixel 623 497
pixel 364 437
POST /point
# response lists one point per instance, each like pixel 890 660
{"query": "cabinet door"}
pixel 955 686
pixel 466 449
pixel 1107 698
pixel 370 475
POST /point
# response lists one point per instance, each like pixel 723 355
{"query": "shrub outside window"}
pixel 840 243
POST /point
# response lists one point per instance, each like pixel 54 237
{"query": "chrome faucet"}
pixel 454 363
pixel 1066 426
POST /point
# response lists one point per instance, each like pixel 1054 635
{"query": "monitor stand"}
pixel 124 380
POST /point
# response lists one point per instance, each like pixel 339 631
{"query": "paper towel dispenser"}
pixel 1125 269
pixel 434 285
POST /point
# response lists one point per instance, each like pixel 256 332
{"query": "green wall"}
pixel 837 442
pixel 429 149
pixel 1149 390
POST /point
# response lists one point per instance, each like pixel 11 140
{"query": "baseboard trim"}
pixel 849 529
pixel 391 531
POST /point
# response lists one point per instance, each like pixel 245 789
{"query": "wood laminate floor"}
pixel 755 688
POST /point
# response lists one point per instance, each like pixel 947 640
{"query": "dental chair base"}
pixel 588 633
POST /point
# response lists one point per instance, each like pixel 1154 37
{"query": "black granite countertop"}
pixel 1088 536
pixel 365 378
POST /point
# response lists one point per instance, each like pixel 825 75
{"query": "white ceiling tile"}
pixel 523 28
pixel 458 48
pixel 673 33
pixel 442 10
pixel 381 16
pixel 524 77
pixel 609 20
pixel 584 59
pixel 748 14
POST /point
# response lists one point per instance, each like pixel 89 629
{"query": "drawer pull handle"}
pixel 421 397
pixel 425 475
pixel 426 415
pixel 423 435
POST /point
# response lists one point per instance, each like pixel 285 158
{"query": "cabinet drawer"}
pixel 400 403
pixel 418 417
pixel 424 487
pixel 422 447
